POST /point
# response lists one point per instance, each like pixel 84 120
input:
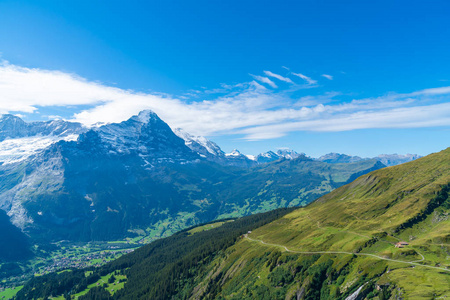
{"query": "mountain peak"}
pixel 235 152
pixel 8 116
pixel 289 153
pixel 146 115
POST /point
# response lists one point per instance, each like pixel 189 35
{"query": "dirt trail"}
pixel 414 263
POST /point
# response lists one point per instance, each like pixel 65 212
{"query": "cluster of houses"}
pixel 82 261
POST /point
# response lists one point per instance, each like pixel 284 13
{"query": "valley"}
pixel 224 150
pixel 384 235
pixel 127 184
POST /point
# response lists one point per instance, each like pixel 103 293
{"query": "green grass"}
pixel 111 287
pixel 364 216
pixel 9 293
pixel 208 226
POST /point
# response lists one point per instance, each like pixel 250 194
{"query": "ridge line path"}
pixel 343 252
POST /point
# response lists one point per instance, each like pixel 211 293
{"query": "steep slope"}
pixel 396 159
pixel 90 189
pixel 344 243
pixel 211 151
pixel 16 245
pixel 342 246
pixel 200 144
pixel 286 183
pixel 138 177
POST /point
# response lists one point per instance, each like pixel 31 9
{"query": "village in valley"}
pixel 68 256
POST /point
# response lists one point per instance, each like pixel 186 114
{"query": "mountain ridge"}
pixel 118 179
pixel 383 236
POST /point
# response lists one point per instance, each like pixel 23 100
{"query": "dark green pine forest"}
pixel 386 235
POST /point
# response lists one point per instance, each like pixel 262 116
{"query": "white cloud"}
pixel 248 108
pixel 309 80
pixel 265 80
pixel 327 76
pixel 409 117
pixel 279 77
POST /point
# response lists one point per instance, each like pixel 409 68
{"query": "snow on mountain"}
pixel 251 157
pixel 289 154
pixel 234 153
pixel 281 153
pixel 19 139
pixel 19 149
pixel 199 144
pixel 139 143
pixel 147 136
pixel 267 157
pixel 12 127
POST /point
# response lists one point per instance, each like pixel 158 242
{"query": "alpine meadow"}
pixel 289 150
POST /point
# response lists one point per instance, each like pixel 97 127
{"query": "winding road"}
pixel 414 263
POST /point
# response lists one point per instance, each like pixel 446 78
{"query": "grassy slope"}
pixel 363 216
pixel 9 293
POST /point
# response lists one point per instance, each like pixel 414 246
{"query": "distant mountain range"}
pixel 383 236
pixel 386 159
pixel 19 140
pixel 62 181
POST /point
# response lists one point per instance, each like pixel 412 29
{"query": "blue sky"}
pixel 358 77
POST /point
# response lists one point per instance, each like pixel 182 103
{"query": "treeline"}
pixel 156 271
pixel 54 284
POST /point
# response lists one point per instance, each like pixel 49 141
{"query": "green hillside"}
pixel 365 218
pixel 343 244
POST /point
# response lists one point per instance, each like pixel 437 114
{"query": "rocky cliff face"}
pixel 132 175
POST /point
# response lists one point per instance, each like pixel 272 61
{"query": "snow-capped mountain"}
pixel 12 127
pixel 19 139
pixel 270 156
pixel 138 173
pixel 267 157
pixel 68 181
pixel 236 158
pixel 134 174
pixel 289 154
pixel 234 153
pixel 145 135
pixel 211 151
pixel 200 144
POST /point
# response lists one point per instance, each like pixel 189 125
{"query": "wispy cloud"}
pixel 249 108
pixel 309 80
pixel 279 77
pixel 327 76
pixel 407 117
pixel 265 80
